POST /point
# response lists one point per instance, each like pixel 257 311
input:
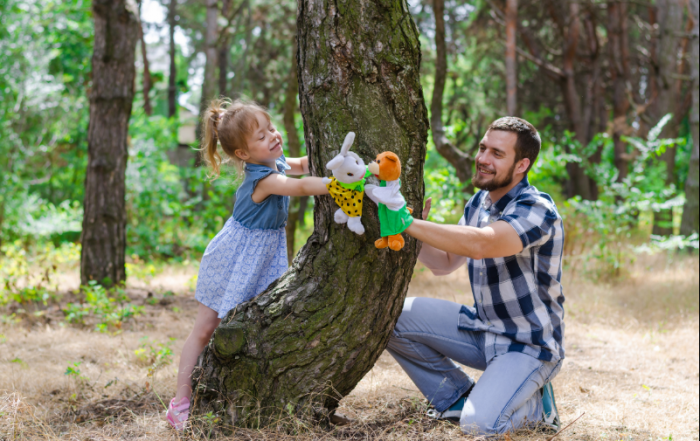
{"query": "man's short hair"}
pixel 528 144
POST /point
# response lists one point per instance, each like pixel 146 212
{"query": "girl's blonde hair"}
pixel 229 124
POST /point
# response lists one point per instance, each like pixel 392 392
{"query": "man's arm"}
pixel 497 240
pixel 439 262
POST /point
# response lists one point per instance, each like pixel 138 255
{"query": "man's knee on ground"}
pixel 475 423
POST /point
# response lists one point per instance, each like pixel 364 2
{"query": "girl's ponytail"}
pixel 228 124
pixel 210 140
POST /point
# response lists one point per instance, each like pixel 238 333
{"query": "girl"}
pixel 250 252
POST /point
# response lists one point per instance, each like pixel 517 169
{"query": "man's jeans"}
pixel 425 342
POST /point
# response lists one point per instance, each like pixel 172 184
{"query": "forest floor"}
pixel 631 371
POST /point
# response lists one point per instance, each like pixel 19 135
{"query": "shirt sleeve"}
pixel 533 218
pixel 282 165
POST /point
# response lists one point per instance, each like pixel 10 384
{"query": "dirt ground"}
pixel 631 371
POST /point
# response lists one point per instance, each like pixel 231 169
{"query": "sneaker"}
pixel 178 412
pixel 550 414
pixel 454 413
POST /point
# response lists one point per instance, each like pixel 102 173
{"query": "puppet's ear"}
pixel 349 139
pixel 335 162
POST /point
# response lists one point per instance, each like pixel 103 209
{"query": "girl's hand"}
pixel 426 210
pixel 284 186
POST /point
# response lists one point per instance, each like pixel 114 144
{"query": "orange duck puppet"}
pixel 394 215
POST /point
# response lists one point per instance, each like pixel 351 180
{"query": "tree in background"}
pixel 172 77
pixel 461 161
pixel 691 210
pixel 332 313
pixel 669 14
pixel 511 57
pixel 111 97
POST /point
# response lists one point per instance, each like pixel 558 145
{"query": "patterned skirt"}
pixel 238 264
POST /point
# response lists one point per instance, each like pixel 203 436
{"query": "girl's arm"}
pixel 284 186
pixel 300 166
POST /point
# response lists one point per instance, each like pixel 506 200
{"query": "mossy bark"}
pixel 309 339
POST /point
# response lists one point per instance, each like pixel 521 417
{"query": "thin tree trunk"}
pixel 172 80
pixel 691 209
pixel 111 97
pixel 294 146
pixel 618 47
pixel 511 56
pixel 670 16
pixel 209 86
pixel 461 161
pixel 224 50
pixel 146 70
pixel 306 342
pixel 578 181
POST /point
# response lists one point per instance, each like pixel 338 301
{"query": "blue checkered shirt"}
pixel 518 300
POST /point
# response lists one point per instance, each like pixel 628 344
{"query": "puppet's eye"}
pixel 378 162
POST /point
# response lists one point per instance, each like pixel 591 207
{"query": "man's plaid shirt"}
pixel 518 299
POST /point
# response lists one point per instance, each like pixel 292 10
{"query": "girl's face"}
pixel 264 144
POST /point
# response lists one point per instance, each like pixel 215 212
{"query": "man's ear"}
pixel 242 155
pixel 522 166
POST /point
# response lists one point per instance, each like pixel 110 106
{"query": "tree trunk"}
pixel 618 47
pixel 670 17
pixel 210 84
pixel 146 70
pixel 691 210
pixel 111 96
pixel 310 338
pixel 172 80
pixel 511 56
pixel 579 182
pixel 461 161
pixel 224 50
pixel 294 147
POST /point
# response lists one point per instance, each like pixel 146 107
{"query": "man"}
pixel 512 238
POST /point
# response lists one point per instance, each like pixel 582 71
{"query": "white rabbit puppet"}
pixel 348 185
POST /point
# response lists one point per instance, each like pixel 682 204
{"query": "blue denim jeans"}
pixel 425 342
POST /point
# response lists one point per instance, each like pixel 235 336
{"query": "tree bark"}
pixel 670 19
pixel 209 86
pixel 579 182
pixel 511 56
pixel 172 80
pixel 111 96
pixel 461 161
pixel 224 50
pixel 294 147
pixel 146 70
pixel 311 337
pixel 618 47
pixel 691 209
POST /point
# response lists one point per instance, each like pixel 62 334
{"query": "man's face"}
pixel 495 162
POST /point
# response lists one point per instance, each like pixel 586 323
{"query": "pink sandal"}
pixel 178 412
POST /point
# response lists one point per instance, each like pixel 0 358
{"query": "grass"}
pixel 631 367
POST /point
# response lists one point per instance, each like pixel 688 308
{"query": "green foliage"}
pixel 73 371
pixel 154 355
pixel 110 308
pixel 605 229
pixel 27 274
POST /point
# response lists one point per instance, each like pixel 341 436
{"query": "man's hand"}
pixel 426 210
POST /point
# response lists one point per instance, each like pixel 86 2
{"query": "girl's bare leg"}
pixel 204 325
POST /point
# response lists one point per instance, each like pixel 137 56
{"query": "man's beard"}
pixel 495 183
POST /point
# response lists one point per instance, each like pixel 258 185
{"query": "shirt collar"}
pixel 505 200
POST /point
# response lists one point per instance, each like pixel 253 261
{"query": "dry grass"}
pixel 632 367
